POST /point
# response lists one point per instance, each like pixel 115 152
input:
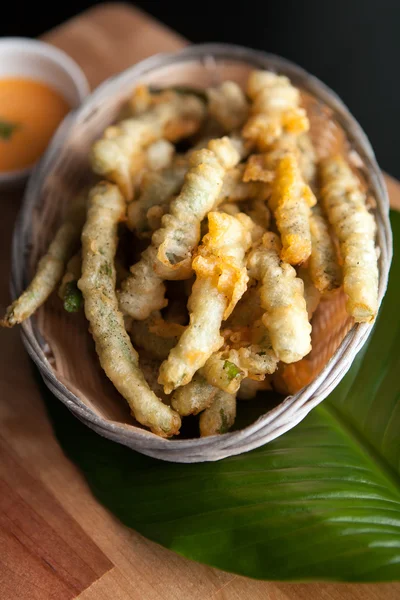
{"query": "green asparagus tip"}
pixel 73 297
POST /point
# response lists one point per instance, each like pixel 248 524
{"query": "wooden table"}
pixel 56 541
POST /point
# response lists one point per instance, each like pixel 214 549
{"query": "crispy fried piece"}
pixel 114 155
pixel 234 189
pixel 282 298
pixel 259 212
pixel 323 264
pixel 193 397
pixel 220 416
pixel 157 188
pixel 344 204
pixel 275 109
pixel 250 387
pixel 143 291
pixel 230 208
pixel 312 295
pixel 170 254
pixel 221 280
pixel 290 201
pixel 159 155
pixel 180 231
pixel 221 372
pixel 51 267
pixel 116 353
pixel 227 104
pixel 226 369
pixel 155 335
pixel 141 100
pixel 68 291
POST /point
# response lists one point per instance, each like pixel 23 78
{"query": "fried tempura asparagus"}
pixel 275 109
pixel 113 156
pixel 282 297
pixel 116 353
pixel 180 230
pixel 290 202
pixel 170 254
pixel 323 264
pixel 193 397
pixel 220 416
pixel 221 280
pixel 344 204
pixel 226 369
pixel 227 104
pixel 51 267
pixel 156 190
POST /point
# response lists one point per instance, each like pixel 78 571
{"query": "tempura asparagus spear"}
pixel 290 202
pixel 220 416
pixel 221 280
pixel 116 353
pixel 193 397
pixel 170 254
pixel 282 297
pixel 113 156
pixel 51 267
pixel 323 264
pixel 354 226
pixel 227 104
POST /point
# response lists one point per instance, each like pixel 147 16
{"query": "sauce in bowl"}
pixel 30 112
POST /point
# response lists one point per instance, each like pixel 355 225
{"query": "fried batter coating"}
pixel 170 254
pixel 116 353
pixel 234 189
pixel 221 280
pixel 344 204
pixel 290 201
pixel 323 264
pixel 155 336
pixel 51 267
pixel 180 230
pixel 143 291
pixel 159 155
pixel 227 104
pixel 312 295
pixel 282 297
pixel 220 416
pixel 262 167
pixel 275 109
pixel 193 397
pixel 226 369
pixel 156 190
pixel 113 156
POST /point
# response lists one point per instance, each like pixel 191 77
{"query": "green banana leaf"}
pixel 322 502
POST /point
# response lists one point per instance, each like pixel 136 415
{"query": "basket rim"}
pixel 293 408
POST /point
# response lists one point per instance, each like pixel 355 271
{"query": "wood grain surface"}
pixel 56 541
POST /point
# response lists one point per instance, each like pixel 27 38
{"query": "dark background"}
pixel 353 45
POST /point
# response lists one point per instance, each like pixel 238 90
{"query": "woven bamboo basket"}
pixel 61 345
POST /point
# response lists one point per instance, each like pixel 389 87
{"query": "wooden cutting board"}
pixel 56 541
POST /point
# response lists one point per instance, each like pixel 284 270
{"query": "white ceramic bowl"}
pixel 21 57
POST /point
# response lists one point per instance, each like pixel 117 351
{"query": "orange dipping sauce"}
pixel 30 112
